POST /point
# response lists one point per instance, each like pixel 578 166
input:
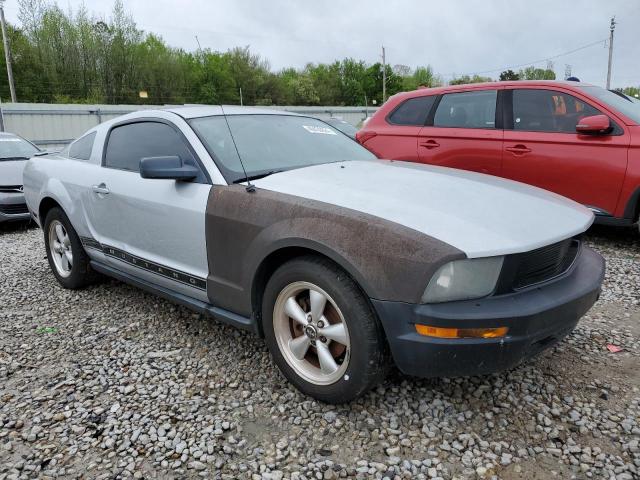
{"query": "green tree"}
pixel 75 56
pixel 632 91
pixel 421 77
pixel 532 73
pixel 509 75
pixel 465 79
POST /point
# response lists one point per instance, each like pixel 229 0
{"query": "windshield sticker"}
pixel 321 130
pixel 9 139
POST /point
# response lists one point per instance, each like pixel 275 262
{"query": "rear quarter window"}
pixel 413 111
pixel 81 148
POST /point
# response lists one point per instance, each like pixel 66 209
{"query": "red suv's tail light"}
pixel 362 137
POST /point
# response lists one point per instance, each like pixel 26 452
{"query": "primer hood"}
pixel 479 214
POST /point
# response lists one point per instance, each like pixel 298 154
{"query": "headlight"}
pixel 463 280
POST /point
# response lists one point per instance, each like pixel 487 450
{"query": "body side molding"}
pixel 147 265
pixel 221 314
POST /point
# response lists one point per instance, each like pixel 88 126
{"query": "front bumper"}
pixel 13 207
pixel 537 317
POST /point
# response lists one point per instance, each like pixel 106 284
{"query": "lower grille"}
pixel 14 209
pixel 530 268
pixel 11 188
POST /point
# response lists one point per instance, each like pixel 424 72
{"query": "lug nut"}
pixel 320 324
pixel 323 339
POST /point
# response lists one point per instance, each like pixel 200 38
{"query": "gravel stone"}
pixel 111 382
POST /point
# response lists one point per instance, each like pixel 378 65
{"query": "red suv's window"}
pixel 476 109
pixel 548 111
pixel 413 111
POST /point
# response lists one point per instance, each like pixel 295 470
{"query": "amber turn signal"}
pixel 442 332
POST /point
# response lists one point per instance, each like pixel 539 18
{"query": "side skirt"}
pixel 201 307
pixel 613 221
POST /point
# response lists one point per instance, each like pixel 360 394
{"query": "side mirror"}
pixel 594 125
pixel 171 168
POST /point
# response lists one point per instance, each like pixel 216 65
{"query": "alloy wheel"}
pixel 60 248
pixel 312 333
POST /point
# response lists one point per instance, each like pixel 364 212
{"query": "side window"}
pixel 413 111
pixel 81 148
pixel 129 143
pixel 476 109
pixel 548 111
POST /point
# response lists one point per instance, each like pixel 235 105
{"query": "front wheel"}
pixel 321 330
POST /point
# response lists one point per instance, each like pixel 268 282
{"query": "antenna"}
pixel 251 188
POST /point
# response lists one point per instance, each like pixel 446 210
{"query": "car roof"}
pixel 477 86
pixel 195 111
pixel 9 134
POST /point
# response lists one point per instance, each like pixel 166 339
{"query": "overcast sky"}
pixel 461 37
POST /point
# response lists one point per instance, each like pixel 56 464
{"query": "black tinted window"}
pixel 128 144
pixel 475 109
pixel 548 111
pixel 81 148
pixel 413 111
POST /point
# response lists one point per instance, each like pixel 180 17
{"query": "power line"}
pixel 526 64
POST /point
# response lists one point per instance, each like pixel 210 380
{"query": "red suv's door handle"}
pixel 518 149
pixel 430 144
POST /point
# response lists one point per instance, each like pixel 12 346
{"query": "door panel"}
pixel 154 229
pixel 589 170
pixel 395 143
pixel 544 150
pixel 464 148
pixel 463 134
pixel 397 139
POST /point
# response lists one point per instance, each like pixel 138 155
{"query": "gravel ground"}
pixel 110 382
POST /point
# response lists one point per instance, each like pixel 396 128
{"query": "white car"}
pixel 14 153
pixel 279 224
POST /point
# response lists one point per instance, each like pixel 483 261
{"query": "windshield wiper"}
pixel 257 176
pixel 15 158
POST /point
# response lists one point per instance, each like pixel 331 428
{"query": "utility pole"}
pixel 611 28
pixel 199 46
pixel 567 71
pixel 384 76
pixel 241 104
pixel 7 53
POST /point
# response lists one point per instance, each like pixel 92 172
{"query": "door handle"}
pixel 430 144
pixel 101 189
pixel 518 149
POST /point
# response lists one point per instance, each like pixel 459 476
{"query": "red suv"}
pixel 575 139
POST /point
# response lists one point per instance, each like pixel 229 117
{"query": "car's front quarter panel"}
pixel 388 260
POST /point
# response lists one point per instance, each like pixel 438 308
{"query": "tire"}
pixel 346 328
pixel 74 272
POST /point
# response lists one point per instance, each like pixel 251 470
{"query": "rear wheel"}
pixel 67 258
pixel 321 331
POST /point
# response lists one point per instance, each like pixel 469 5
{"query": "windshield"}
pixel 623 105
pixel 344 127
pixel 272 143
pixel 14 148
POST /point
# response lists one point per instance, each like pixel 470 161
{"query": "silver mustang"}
pixel 282 225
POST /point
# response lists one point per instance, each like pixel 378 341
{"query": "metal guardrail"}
pixel 54 125
pixel 58 124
